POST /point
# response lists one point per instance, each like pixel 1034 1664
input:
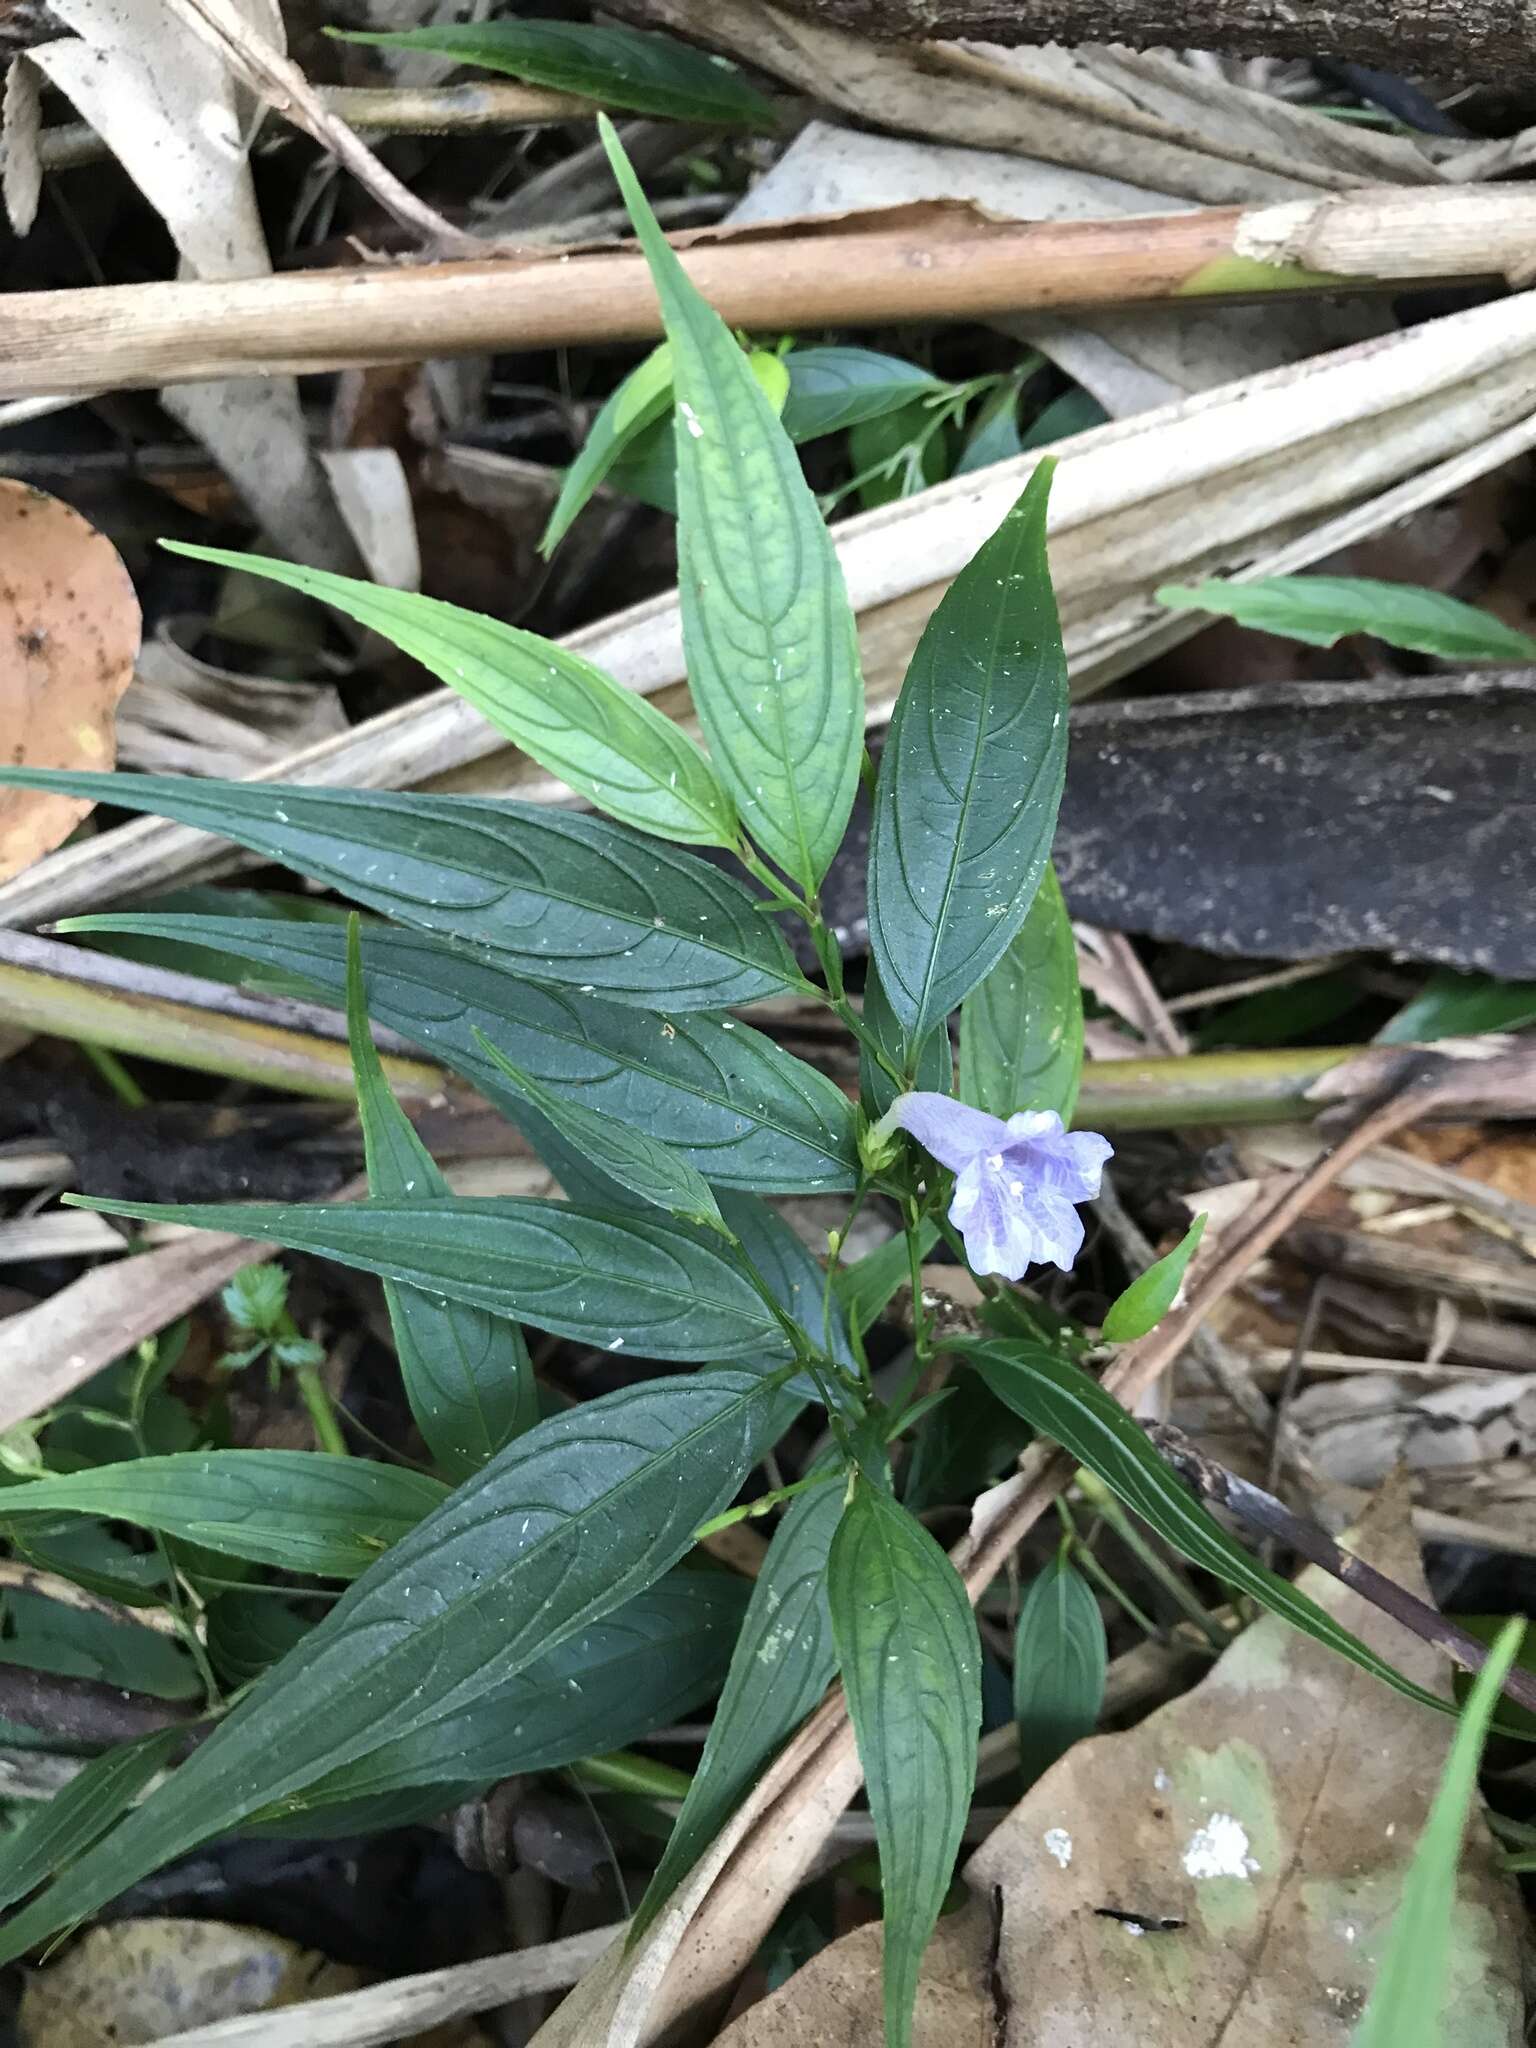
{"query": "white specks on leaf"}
pixel 1059 1843
pixel 1220 1849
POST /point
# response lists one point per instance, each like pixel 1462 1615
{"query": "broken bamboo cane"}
pixel 927 262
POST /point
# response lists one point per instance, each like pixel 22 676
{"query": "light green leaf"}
pixel 1460 1006
pixel 563 898
pixel 971 776
pixel 53 1835
pixel 609 744
pixel 867 1286
pixel 835 387
pixel 1021 1030
pixel 911 1664
pixel 769 638
pixel 1406 2008
pixel 1059 1659
pixel 897 453
pixel 556 896
pixel 643 398
pixel 1062 1402
pixel 631 69
pixel 650 1287
pixel 467 1374
pixel 562 1527
pixel 746 1113
pixel 641 1164
pixel 304 1511
pixel 1321 610
pixel 660 1656
pixel 1151 1294
pixel 783 1663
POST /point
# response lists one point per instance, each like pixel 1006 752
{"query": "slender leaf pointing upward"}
pixel 467 1373
pixel 611 745
pixel 1021 1030
pixel 772 655
pixel 971 776
pixel 565 899
pixel 911 1665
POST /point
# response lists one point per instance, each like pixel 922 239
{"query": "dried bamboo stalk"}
pixel 925 263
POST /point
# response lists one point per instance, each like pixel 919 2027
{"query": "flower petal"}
pixel 1071 1164
pixel 952 1131
pixel 999 1236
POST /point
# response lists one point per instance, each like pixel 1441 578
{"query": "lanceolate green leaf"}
pixel 1064 1403
pixel 561 1528
pixel 932 1066
pixel 607 742
pixel 467 1373
pixel 772 656
pixel 1151 1294
pixel 54 1834
pixel 641 1164
pixel 626 68
pixel 1455 1005
pixel 793 1276
pixel 651 1287
pixel 306 1511
pixel 1320 610
pixel 660 1656
pixel 644 397
pixel 1407 2004
pixel 1021 1030
pixel 746 1113
pixel 1059 1660
pixel 783 1663
pixel 831 388
pixel 971 775
pixel 566 899
pixel 911 1664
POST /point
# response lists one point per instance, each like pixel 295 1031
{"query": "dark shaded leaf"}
pixel 1059 1660
pixel 911 1665
pixel 1461 1005
pixel 53 1835
pixel 971 775
pixel 643 398
pixel 835 387
pixel 1021 1030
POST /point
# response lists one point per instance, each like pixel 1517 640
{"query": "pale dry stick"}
pixel 941 261
pixel 17 1577
pixel 407 2006
pixel 780 1829
pixel 278 81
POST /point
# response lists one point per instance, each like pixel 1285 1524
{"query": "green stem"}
pixel 321 1411
pixel 1086 1562
pixel 1111 1512
pixel 115 1074
pixel 623 1771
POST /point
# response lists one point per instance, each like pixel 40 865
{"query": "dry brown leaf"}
pixel 137 1979
pixel 1270 1813
pixel 69 630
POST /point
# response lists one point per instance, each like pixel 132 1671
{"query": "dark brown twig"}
pixel 81 1712
pixel 1272 1519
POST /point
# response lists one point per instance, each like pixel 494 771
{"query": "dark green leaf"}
pixel 995 436
pixel 1459 1006
pixel 42 1635
pixel 962 1447
pixel 53 1835
pixel 643 1165
pixel 1064 1403
pixel 911 1665
pixel 647 469
pixel 792 1275
pixel 566 899
pixel 660 1656
pixel 561 1528
pixel 607 742
pixel 208 900
pixel 782 1664
pixel 1073 413
pixel 1021 1030
pixel 247 1631
pixel 746 1113
pixel 834 387
pixel 627 68
pixel 1151 1294
pixel 772 655
pixel 894 454
pixel 1321 610
pixel 467 1374
pixel 643 398
pixel 1059 1660
pixel 306 1511
pixel 648 1286
pixel 971 775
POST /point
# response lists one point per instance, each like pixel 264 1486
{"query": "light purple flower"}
pixel 1015 1182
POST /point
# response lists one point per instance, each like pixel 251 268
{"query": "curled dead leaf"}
pixel 69 631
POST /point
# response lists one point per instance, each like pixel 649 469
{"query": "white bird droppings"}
pixel 1220 1849
pixel 1059 1842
